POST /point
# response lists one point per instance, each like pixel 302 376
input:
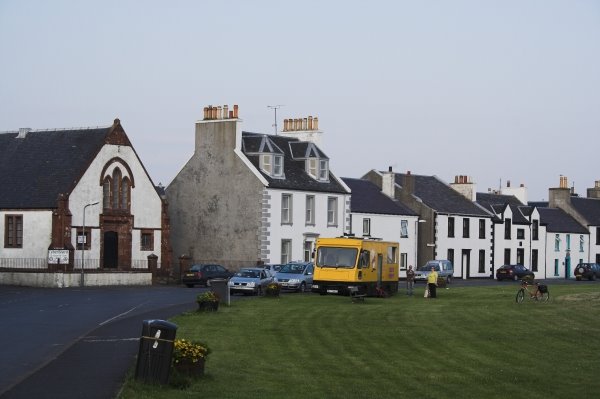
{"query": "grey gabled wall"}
pixel 215 201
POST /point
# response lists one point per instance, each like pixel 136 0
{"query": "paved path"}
pixel 77 343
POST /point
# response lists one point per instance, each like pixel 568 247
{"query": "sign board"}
pixel 58 256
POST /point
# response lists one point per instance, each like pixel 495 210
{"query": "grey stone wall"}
pixel 215 202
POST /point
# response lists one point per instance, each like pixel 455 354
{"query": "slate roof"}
pixel 441 197
pixel 589 208
pixel 368 198
pixel 496 203
pixel 35 169
pixel 295 176
pixel 558 221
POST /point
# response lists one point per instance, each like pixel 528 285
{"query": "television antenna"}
pixel 275 108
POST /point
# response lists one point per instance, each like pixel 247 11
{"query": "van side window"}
pixel 364 259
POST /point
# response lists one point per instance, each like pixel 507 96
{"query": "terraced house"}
pixel 245 198
pixel 78 198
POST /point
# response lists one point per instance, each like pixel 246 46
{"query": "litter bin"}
pixel 220 286
pixel 156 351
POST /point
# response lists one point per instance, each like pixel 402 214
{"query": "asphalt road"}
pixel 77 343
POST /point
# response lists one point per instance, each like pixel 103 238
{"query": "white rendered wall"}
pixel 37 234
pixel 552 255
pixel 458 243
pixel 298 231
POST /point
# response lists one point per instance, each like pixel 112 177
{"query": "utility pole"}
pixel 275 108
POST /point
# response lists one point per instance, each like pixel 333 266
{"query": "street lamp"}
pixel 83 241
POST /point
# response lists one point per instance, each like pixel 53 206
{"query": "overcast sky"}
pixel 496 90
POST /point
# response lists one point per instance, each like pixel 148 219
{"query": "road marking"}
pixel 122 314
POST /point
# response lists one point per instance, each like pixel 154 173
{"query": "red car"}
pixel 514 272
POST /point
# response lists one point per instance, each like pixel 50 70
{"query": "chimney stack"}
pixel 388 183
pixel 303 129
pixel 464 186
pixel 218 112
pixel 595 191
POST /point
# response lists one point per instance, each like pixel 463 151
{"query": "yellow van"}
pixel 358 265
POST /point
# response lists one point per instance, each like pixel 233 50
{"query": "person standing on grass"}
pixel 410 281
pixel 432 283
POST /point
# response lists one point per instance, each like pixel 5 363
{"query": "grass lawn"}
pixel 471 342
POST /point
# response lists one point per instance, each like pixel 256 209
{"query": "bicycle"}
pixel 541 292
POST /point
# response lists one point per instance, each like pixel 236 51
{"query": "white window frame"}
pixel 323 170
pixel 310 210
pixel 312 167
pixel 286 208
pixel 404 228
pixel 332 211
pixel 581 243
pixel 277 165
pixel 266 163
pixel 366 226
pixel 286 250
pixel 557 243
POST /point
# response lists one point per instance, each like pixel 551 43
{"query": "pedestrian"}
pixel 432 283
pixel 410 281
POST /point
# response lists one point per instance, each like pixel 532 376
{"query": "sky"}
pixel 497 90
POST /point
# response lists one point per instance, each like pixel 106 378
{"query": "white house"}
pixel 82 186
pixel 246 198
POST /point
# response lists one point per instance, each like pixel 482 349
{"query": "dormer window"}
pixel 272 164
pixel 318 168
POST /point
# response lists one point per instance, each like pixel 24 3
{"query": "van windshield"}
pixel 427 267
pixel 336 257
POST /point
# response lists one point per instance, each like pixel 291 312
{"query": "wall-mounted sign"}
pixel 58 256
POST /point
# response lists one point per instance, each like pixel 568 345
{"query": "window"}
pixel 404 228
pixel 597 236
pixel 286 251
pixel 308 247
pixel 568 242
pixel 146 240
pixel 481 228
pixel 332 211
pixel 323 169
pixel 520 256
pixel 556 267
pixel 557 242
pixel 392 254
pixel 507 228
pixel 116 191
pixel 84 242
pixel 535 230
pixel 366 227
pixel 451 255
pixel 286 208
pixel 403 260
pixel 277 165
pixel 266 163
pixel 482 261
pixel 520 234
pixel 13 231
pixel 310 210
pixel 450 227
pixel 581 243
pixel 507 256
pixel 312 167
pixel 466 227
pixel 534 260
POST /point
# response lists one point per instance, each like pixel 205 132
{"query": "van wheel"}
pixel 302 287
pixel 448 279
pixel 515 277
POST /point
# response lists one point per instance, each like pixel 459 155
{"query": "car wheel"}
pixel 302 287
pixel 515 277
pixel 190 285
pixel 593 278
pixel 207 283
pixel 448 279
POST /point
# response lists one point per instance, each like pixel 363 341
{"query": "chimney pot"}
pixel 310 123
pixel 389 169
pixel 597 184
pixel 408 172
pixel 205 112
pixel 508 183
pixel 225 111
pixel 235 111
pixel 316 123
pixel 219 112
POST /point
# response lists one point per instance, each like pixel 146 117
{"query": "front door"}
pixel 111 250
pixel 466 263
pixel 567 267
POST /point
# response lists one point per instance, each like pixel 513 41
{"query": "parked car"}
pixel 591 271
pixel 273 269
pixel 514 272
pixel 250 280
pixel 295 276
pixel 443 267
pixel 203 273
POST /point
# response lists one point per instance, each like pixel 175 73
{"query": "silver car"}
pixel 250 280
pixel 444 269
pixel 295 276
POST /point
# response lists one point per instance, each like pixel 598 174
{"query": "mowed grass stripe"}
pixel 469 343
